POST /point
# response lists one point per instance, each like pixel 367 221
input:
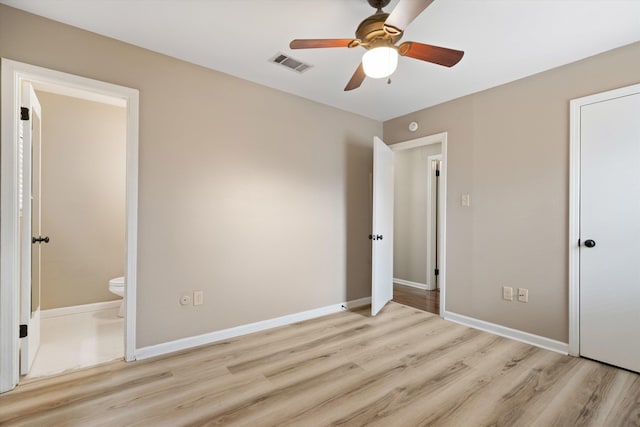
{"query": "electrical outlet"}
pixel 198 297
pixel 507 293
pixel 523 295
pixel 185 299
pixel 465 200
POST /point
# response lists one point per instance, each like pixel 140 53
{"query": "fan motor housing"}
pixel 371 32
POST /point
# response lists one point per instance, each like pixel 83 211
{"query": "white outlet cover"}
pixel 523 295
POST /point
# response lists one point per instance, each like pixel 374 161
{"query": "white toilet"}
pixel 116 286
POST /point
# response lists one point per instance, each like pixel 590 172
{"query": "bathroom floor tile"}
pixel 78 340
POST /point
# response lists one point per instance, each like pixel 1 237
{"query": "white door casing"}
pixel 605 207
pixel 382 224
pixel 432 222
pixel 29 201
pixel 13 74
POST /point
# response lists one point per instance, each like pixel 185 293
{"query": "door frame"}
pixel 430 191
pixel 442 208
pixel 13 73
pixel 574 205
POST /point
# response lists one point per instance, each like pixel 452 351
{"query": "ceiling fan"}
pixel 379 34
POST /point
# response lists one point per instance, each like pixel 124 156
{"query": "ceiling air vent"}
pixel 290 63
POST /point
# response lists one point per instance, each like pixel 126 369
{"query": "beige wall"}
pixel 411 206
pixel 83 199
pixel 509 148
pixel 257 197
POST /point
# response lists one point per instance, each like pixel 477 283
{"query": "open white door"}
pixel 382 233
pixel 29 206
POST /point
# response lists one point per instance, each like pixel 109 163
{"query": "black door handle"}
pixel 40 239
pixel 589 243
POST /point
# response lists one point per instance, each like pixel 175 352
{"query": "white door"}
pixel 382 233
pixel 30 228
pixel 610 231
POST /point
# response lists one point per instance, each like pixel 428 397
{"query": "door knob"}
pixel 40 239
pixel 589 243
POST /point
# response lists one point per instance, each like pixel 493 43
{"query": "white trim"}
pixel 442 214
pixel 79 93
pixel 419 142
pixel 431 279
pixel 209 338
pixel 9 243
pixel 13 73
pixel 574 229
pixel 574 205
pixel 410 283
pixel 76 309
pixel 503 331
pixel 131 233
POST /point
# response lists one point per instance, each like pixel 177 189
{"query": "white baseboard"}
pixel 185 343
pixel 503 331
pixel 75 309
pixel 410 283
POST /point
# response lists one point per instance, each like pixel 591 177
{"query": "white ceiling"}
pixel 503 40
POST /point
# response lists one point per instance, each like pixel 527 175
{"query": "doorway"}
pixel 14 74
pixel 383 232
pixel 416 221
pixel 604 288
pixel 82 217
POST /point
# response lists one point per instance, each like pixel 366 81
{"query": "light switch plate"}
pixel 198 297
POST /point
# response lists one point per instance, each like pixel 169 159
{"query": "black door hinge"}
pixel 437 272
pixel 24 113
pixel 437 172
pixel 23 331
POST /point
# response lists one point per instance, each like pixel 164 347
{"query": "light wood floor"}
pixel 404 367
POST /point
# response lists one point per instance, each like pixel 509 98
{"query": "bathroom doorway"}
pixel 17 304
pixel 80 172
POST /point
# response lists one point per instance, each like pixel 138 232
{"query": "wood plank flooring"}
pixel 404 367
pixel 417 298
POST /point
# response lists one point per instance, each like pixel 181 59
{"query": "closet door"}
pixel 610 231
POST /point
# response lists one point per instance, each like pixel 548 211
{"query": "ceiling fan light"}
pixel 380 62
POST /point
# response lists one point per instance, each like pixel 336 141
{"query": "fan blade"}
pixel 356 79
pixel 404 13
pixel 318 43
pixel 426 52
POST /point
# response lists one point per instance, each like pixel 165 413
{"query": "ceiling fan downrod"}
pixel 378 4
